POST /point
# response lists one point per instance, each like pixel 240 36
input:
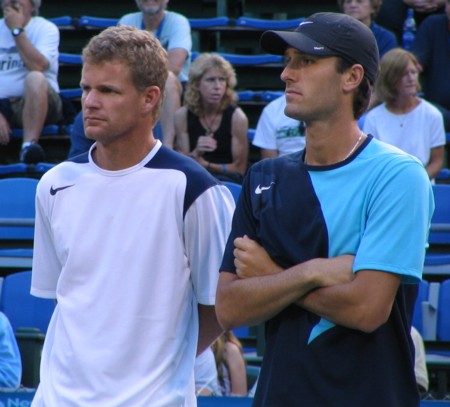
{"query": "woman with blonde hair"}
pixel 403 118
pixel 210 127
pixel 231 367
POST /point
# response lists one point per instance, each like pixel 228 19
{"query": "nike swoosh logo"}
pixel 259 188
pixel 53 191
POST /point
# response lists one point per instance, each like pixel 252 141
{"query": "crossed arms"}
pixel 260 289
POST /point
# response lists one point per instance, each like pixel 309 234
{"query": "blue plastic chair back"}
pixel 22 309
pixel 17 201
pixel 443 318
pixel 234 188
pixel 422 295
pixel 441 213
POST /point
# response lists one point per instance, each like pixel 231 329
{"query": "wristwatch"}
pixel 17 31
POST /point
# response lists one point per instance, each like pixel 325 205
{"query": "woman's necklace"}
pixel 210 124
pixel 350 152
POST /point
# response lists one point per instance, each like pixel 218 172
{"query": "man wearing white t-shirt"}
pixel 276 134
pixel 129 237
pixel 29 91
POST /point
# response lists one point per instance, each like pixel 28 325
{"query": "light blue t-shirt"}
pixel 376 205
pixel 10 362
pixel 173 32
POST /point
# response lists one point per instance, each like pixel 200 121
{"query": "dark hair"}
pixel 362 96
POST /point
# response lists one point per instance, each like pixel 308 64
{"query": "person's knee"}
pixel 36 81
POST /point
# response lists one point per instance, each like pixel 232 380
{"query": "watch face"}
pixel 16 31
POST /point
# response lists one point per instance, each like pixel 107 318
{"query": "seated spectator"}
pixel 432 49
pixel 174 32
pixel 10 362
pixel 29 91
pixel 276 134
pixel 231 366
pixel 205 372
pixel 210 127
pixel 392 13
pixel 366 11
pixel 404 119
pixel 172 29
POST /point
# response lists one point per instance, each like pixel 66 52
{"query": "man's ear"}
pixel 353 77
pixel 152 95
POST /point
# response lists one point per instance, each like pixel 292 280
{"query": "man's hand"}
pixel 5 130
pixel 425 6
pixel 251 259
pixel 14 16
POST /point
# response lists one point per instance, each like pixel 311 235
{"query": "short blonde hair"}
pixel 140 50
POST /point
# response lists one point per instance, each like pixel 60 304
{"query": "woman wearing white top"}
pixel 404 119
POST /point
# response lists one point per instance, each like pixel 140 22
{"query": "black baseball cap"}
pixel 329 34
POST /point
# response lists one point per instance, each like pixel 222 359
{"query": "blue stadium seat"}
pixel 234 188
pixel 437 260
pixel 243 60
pixel 70 59
pixel 15 169
pixel 17 212
pixel 270 95
pixel 263 24
pixel 441 216
pixel 96 22
pixel 72 93
pixel 62 21
pixel 213 22
pixel 22 309
pixel 246 95
pixel 443 319
pixel 251 134
pixel 422 297
pixel 50 130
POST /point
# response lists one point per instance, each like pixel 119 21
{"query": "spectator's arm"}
pixel 177 56
pixel 436 161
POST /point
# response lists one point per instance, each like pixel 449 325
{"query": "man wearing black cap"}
pixel 322 248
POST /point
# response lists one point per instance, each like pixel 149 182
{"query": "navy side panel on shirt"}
pixel 198 179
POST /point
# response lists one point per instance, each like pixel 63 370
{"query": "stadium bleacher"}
pixel 231 28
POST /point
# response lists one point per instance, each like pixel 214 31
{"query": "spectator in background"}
pixel 366 11
pixel 392 13
pixel 404 119
pixel 29 91
pixel 277 134
pixel 174 32
pixel 10 362
pixel 210 127
pixel 231 366
pixel 432 49
pixel 135 291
